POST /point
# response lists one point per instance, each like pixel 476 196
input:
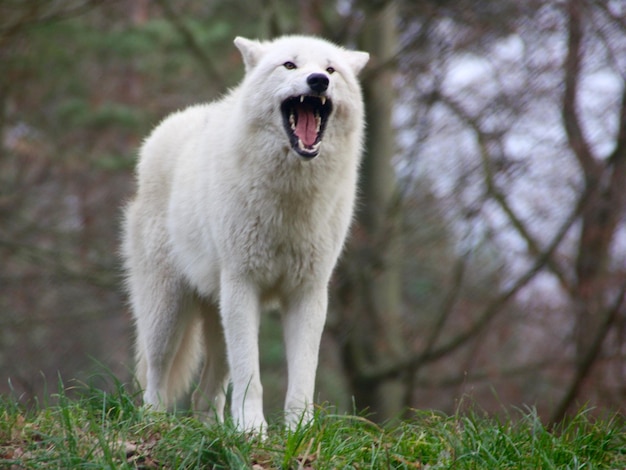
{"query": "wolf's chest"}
pixel 276 245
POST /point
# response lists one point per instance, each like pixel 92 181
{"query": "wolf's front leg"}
pixel 303 325
pixel 240 311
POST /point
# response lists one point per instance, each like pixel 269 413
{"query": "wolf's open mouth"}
pixel 304 118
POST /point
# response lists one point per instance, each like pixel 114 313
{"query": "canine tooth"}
pixel 292 121
pixel 323 98
pixel 301 98
pixel 316 147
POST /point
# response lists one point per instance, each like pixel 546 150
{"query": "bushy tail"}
pixel 184 367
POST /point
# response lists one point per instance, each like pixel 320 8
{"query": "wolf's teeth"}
pixel 292 122
pixel 301 98
pixel 318 122
pixel 323 98
pixel 313 148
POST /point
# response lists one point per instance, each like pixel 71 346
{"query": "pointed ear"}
pixel 357 60
pixel 251 51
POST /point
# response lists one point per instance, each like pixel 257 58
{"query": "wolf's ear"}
pixel 357 60
pixel 251 51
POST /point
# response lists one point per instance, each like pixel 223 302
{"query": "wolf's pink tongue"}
pixel 306 129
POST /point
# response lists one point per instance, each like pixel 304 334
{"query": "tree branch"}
pixel 600 220
pixel 35 13
pixel 445 311
pixel 379 65
pixel 619 153
pixel 483 375
pixel 208 65
pixel 494 192
pixel 589 359
pixel 447 306
pixel 407 363
pixel 571 122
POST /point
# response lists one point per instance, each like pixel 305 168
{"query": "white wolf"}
pixel 241 202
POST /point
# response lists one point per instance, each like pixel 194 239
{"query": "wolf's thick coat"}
pixel 229 216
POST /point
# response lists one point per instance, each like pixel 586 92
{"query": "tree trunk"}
pixel 375 328
pixel 595 302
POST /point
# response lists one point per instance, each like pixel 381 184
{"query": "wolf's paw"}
pixel 252 424
pixel 297 418
pixel 209 418
pixel 149 412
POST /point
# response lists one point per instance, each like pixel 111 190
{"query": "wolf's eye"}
pixel 330 70
pixel 289 65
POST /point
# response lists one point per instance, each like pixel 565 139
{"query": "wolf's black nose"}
pixel 318 82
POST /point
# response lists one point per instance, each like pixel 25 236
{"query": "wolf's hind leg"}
pixel 209 398
pixel 164 322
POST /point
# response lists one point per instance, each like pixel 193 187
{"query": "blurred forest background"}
pixel 488 259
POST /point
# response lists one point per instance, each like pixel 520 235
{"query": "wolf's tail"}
pixel 184 366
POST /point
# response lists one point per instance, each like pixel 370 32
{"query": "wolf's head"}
pixel 305 85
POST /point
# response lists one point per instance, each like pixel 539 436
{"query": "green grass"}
pixel 99 430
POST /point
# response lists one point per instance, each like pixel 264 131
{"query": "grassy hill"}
pixel 99 430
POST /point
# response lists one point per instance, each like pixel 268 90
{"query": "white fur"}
pixel 227 218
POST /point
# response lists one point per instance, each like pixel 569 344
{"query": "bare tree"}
pixel 580 252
